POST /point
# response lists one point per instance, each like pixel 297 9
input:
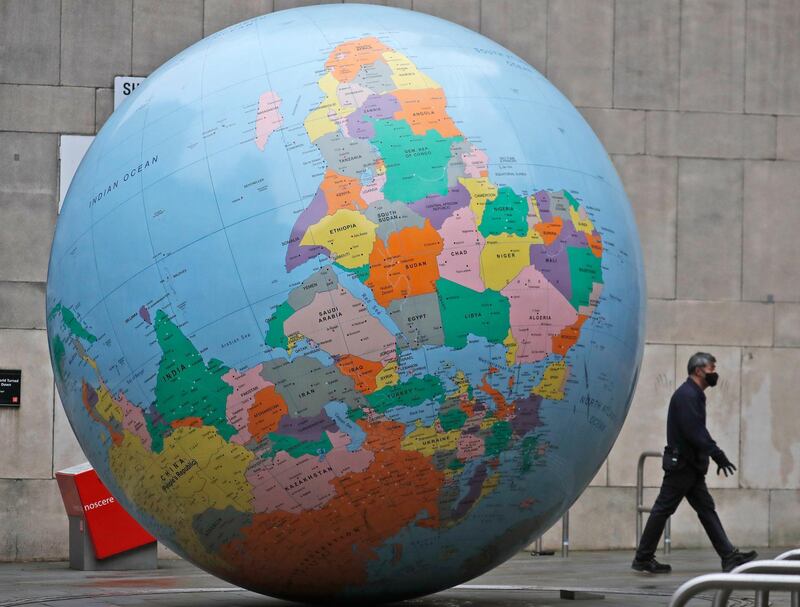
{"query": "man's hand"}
pixel 723 464
pixel 726 468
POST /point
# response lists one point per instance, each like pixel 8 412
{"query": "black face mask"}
pixel 712 379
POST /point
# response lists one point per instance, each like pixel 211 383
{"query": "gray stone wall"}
pixel 698 103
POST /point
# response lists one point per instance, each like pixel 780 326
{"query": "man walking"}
pixel 685 463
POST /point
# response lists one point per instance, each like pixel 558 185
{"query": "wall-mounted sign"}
pixel 10 386
pixel 124 86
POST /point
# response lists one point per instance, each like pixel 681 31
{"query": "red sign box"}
pixel 111 529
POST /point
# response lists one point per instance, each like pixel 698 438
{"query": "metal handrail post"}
pixel 791 555
pixel 668 536
pixel 565 535
pixel 641 508
pixel 640 492
pixel 729 581
pixel 764 566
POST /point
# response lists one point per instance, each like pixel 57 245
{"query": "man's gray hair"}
pixel 700 359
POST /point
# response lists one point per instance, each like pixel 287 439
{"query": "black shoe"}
pixel 736 558
pixel 651 566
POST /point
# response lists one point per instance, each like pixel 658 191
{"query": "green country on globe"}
pixel 346 301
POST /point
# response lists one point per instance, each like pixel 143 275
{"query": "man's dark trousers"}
pixel 690 483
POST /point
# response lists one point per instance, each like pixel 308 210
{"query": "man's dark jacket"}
pixel 686 427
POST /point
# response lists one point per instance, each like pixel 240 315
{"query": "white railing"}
pixel 762 577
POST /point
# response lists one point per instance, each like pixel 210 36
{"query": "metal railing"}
pixel 783 567
pixel 761 577
pixel 789 555
pixel 729 581
pixel 538 549
pixel 641 508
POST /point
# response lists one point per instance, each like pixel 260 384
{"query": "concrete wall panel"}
pixel 787 325
pixel 161 30
pixel 29 41
pixel 601 478
pixel 219 14
pixel 104 107
pixel 770 424
pixel 519 26
pixel 645 427
pixel 723 405
pixel 615 506
pixel 463 12
pixel 25 235
pixel 712 55
pixel 788 138
pixel 784 524
pixel 771 215
pixel 22 305
pixel 33 521
pixel 646 54
pixel 46 109
pixel 95 41
pixel 710 229
pixel 26 432
pixel 651 186
pixel 28 163
pixel 580 50
pixel 745 515
pixel 621 131
pixel 719 323
pixel 710 135
pixel 8 519
pixel 772 79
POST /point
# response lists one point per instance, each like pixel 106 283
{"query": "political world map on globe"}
pixel 346 301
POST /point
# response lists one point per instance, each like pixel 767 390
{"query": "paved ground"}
pixel 522 581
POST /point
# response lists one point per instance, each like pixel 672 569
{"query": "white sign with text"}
pixel 123 87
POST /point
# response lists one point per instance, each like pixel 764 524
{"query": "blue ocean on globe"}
pixel 346 301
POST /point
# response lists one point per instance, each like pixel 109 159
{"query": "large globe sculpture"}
pixel 346 302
